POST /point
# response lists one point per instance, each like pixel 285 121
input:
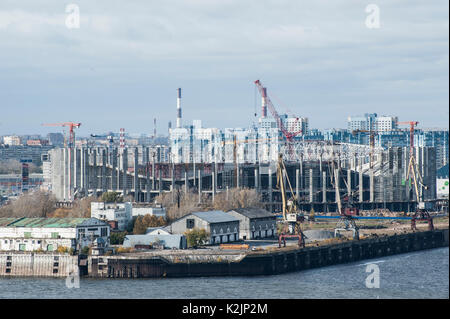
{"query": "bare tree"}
pixel 31 204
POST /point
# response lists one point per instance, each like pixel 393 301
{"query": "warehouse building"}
pixel 47 234
pixel 222 227
pixel 254 222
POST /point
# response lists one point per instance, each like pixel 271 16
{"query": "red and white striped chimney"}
pixel 179 108
pixel 122 139
pixel 264 103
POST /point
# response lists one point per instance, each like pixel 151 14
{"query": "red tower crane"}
pixel 412 125
pixel 289 135
pixel 71 126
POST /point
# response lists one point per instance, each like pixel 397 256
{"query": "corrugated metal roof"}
pixel 254 213
pixel 42 222
pixel 215 216
pixel 5 221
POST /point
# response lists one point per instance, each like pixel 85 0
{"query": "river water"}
pixel 423 274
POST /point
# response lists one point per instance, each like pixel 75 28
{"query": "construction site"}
pixel 210 161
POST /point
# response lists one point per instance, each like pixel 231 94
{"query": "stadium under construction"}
pixel 374 179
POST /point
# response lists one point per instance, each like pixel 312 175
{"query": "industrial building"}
pixel 255 223
pixel 47 234
pixel 222 227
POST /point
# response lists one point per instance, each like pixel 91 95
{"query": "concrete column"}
pixel 256 179
pixel 338 186
pixel 87 169
pixel 214 175
pixel 76 159
pixel 94 171
pixel 147 174
pixel 238 177
pixel 153 174
pixel 82 169
pixel 270 190
pixel 302 186
pixel 193 174
pixel 311 188
pixel 349 182
pixel 213 180
pixel 65 173
pixel 103 177
pixel 361 187
pixel 297 181
pixel 172 184
pixel 371 186
pixel 160 180
pixel 114 180
pixel 324 187
pixel 124 171
pixel 136 174
pixel 185 181
pixel 199 186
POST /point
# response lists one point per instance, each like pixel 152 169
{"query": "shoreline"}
pixel 208 262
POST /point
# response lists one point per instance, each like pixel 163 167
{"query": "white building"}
pixel 11 140
pixel 119 212
pixel 157 211
pixel 47 234
pixel 386 123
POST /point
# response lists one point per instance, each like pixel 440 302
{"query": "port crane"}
pixel 349 212
pixel 290 227
pixel 414 177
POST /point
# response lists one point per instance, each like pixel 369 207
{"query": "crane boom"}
pixel 289 135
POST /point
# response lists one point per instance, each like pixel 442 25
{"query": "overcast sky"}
pixel 122 66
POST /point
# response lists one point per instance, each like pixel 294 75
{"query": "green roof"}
pixel 41 222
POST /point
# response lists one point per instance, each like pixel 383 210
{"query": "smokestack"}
pixel 179 108
pixel 154 127
pixel 264 103
pixel 122 139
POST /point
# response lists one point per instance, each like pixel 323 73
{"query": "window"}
pixel 27 234
pixel 8 264
pixel 190 223
pixel 55 264
pixel 21 247
pixel 8 270
pixel 104 231
pixel 50 247
pixel 55 235
pixel 55 271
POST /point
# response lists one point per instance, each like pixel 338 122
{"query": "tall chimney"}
pixel 154 127
pixel 179 108
pixel 264 103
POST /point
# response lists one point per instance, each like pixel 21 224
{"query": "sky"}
pixel 122 66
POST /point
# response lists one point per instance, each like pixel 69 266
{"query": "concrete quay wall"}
pixel 272 263
pixel 16 264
